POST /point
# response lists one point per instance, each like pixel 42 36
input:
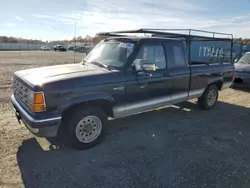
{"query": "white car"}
pixel 45 48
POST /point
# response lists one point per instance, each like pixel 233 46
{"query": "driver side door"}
pixel 147 90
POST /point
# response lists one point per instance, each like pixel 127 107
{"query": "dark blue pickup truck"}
pixel 121 76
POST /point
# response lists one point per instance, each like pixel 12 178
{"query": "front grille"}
pixel 20 92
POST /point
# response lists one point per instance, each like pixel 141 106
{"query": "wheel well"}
pixel 105 105
pixel 218 84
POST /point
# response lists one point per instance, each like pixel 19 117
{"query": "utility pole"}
pixel 75 44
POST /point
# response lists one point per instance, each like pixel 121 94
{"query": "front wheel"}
pixel 86 127
pixel 209 98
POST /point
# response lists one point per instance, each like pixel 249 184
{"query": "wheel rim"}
pixel 211 98
pixel 88 129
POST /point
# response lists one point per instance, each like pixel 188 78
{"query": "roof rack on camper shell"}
pixel 195 39
pixel 187 34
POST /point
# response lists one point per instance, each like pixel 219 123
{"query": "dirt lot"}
pixel 179 146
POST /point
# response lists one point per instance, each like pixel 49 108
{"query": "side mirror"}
pixel 144 65
pixel 148 67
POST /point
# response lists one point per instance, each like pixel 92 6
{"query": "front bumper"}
pixel 40 127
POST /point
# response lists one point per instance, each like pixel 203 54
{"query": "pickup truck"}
pixel 60 48
pixel 121 76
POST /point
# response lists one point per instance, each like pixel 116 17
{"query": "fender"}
pixel 86 98
pixel 218 80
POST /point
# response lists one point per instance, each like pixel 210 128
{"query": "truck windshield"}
pixel 112 54
pixel 245 59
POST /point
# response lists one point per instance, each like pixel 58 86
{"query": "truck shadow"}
pixel 179 146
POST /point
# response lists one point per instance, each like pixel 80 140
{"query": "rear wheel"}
pixel 209 98
pixel 86 127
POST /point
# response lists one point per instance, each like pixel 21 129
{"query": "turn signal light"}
pixel 38 98
pixel 38 102
pixel 38 107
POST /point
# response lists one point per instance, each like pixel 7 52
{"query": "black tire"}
pixel 72 127
pixel 209 98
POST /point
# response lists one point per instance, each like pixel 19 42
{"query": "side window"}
pixel 179 56
pixel 154 53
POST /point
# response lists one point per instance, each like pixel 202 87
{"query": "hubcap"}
pixel 211 98
pixel 88 129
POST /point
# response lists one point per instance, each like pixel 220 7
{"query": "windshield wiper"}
pixel 111 67
pixel 98 63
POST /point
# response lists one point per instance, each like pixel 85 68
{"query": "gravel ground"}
pixel 178 146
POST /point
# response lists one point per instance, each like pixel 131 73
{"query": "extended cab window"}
pixel 153 53
pixel 179 55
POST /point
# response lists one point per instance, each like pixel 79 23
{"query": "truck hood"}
pixel 43 75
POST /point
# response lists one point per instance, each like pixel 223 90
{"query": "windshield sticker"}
pixel 126 45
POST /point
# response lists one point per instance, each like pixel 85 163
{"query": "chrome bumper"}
pixel 40 127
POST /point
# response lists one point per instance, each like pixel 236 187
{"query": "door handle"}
pixel 143 78
pixel 144 75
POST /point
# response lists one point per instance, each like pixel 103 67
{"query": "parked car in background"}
pixel 45 48
pixel 60 48
pixel 83 49
pixel 80 49
pixel 71 48
pixel 88 49
pixel 120 77
pixel 239 50
pixel 242 69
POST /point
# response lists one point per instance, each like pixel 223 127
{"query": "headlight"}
pixel 30 96
pixel 36 101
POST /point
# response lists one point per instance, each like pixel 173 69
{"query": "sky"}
pixel 57 19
